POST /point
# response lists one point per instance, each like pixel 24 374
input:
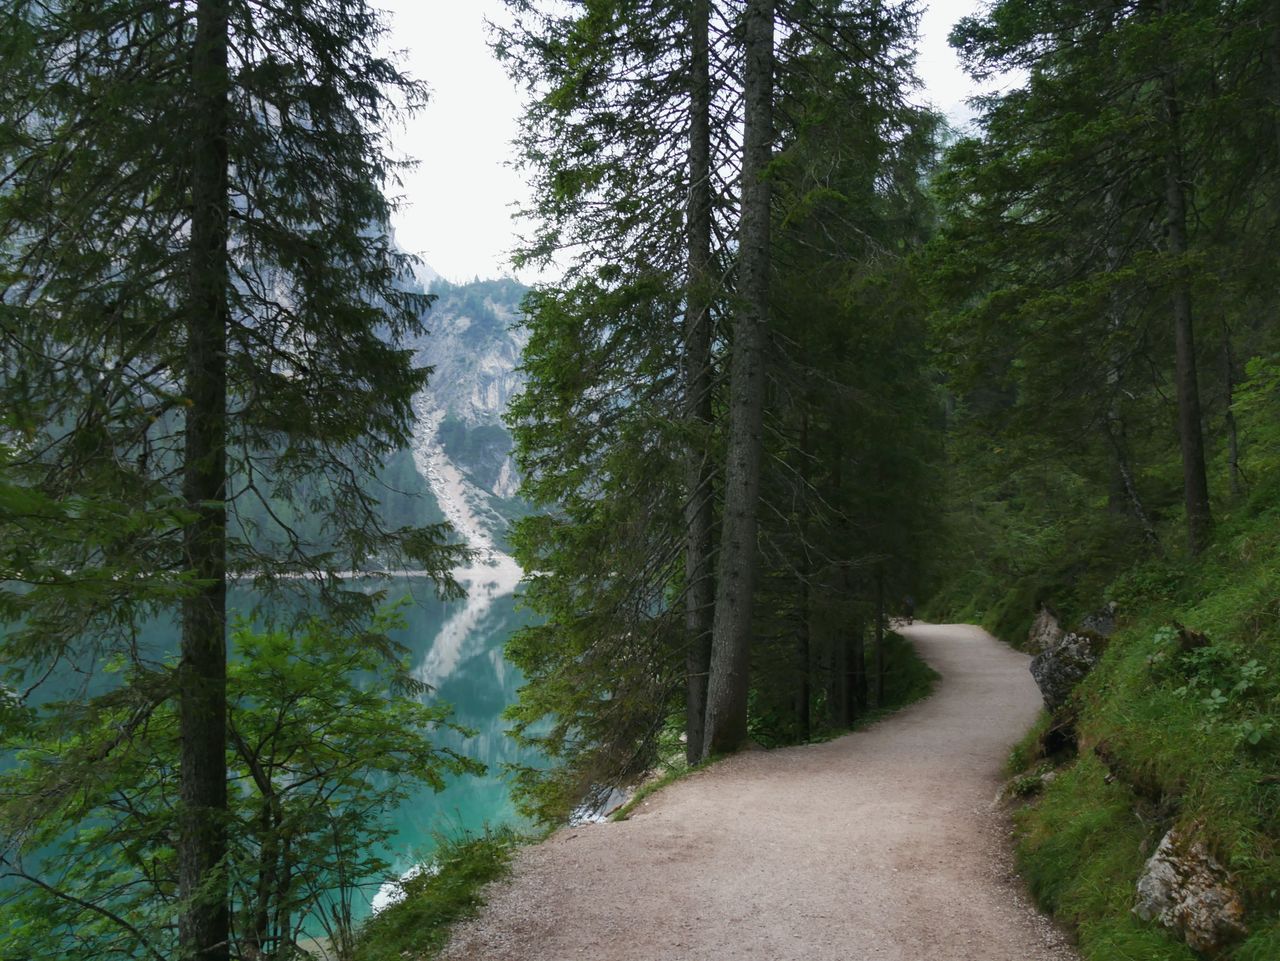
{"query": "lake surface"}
pixel 457 648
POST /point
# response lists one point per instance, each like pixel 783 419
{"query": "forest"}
pixel 815 359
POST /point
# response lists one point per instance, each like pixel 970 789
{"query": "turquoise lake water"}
pixel 457 647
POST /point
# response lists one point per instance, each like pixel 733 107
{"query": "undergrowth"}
pixel 1178 725
pixel 907 679
pixel 417 927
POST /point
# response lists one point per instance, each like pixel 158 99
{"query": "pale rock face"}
pixel 1182 887
pixel 474 346
pixel 1045 633
pixel 508 480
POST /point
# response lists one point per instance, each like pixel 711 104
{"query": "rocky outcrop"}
pixel 1183 888
pixel 1059 669
pixel 1101 622
pixel 1045 633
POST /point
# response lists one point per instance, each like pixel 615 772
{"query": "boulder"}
pixel 1060 668
pixel 1045 632
pixel 1183 888
pixel 1101 622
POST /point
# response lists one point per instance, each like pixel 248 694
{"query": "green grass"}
pixel 1195 737
pixel 418 926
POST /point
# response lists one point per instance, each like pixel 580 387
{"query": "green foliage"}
pixel 604 666
pixel 1081 848
pixel 604 432
pixel 326 734
pixel 417 926
pixel 908 679
pixel 202 347
pixel 1191 720
pixel 1257 403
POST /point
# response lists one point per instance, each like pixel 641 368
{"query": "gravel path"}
pixel 880 846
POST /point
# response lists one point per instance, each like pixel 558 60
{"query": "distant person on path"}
pixel 909 608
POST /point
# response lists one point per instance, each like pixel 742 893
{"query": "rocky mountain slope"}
pixel 461 447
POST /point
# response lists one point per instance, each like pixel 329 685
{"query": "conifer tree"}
pixel 622 431
pixel 628 135
pixel 201 312
pixel 727 686
pixel 1071 228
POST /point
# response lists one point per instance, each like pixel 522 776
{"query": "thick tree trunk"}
pixel 726 728
pixel 698 512
pixel 1194 482
pixel 204 928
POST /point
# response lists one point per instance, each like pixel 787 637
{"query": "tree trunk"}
pixel 204 925
pixel 1229 419
pixel 1274 56
pixel 879 638
pixel 856 673
pixel 1194 482
pixel 803 693
pixel 698 511
pixel 805 573
pixel 837 683
pixel 1124 497
pixel 726 728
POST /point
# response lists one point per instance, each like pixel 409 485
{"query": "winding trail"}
pixel 883 845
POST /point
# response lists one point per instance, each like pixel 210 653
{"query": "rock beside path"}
pixel 1046 632
pixel 1059 669
pixel 1185 889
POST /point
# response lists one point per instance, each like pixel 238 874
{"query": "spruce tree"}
pixel 202 312
pixel 727 686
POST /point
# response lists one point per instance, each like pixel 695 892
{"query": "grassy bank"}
pixel 1171 736
pixel 417 926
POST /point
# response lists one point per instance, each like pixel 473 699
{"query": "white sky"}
pixel 459 200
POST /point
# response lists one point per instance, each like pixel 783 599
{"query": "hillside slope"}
pixel 461 446
pixel 1171 735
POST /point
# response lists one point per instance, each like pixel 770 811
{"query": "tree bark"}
pixel 698 511
pixel 1124 496
pixel 1229 419
pixel 805 572
pixel 879 652
pixel 1194 481
pixel 204 925
pixel 726 728
pixel 804 694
